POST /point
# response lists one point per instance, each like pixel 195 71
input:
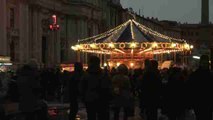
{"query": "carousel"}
pixel 131 43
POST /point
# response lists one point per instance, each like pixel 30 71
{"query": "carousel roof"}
pixel 131 31
pixel 128 36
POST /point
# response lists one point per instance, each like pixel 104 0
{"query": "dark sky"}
pixel 177 10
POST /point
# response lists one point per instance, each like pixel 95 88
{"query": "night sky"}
pixel 177 10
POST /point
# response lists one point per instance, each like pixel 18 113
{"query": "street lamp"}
pixel 54 26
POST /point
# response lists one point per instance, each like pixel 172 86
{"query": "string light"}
pixel 186 46
pixel 111 45
pixel 105 47
pixel 131 64
pixel 174 45
pixel 132 32
pixel 105 64
pixel 154 45
pixel 118 64
pixel 133 45
pixel 93 46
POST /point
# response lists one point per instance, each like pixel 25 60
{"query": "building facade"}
pixel 25 33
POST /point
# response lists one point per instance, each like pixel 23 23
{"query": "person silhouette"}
pixel 200 87
pixel 151 89
pixel 74 81
pixel 123 97
pixel 2 112
pixel 28 86
pixel 95 89
pixel 174 94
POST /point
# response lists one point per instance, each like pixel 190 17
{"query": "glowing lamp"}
pixel 133 45
pixel 118 64
pixel 186 46
pixel 93 46
pixel 174 45
pixel 105 64
pixel 196 57
pixel 111 45
pixel 191 46
pixel 110 64
pixel 131 64
pixel 54 25
pixel 74 48
pixel 154 45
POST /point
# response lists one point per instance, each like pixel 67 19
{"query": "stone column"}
pixel 24 32
pixel 35 41
pixel 205 12
pixel 51 41
pixel 58 44
pixel 34 32
pixel 3 30
pixel 39 38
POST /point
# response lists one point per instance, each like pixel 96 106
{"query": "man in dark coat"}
pixel 95 88
pixel 200 87
pixel 150 89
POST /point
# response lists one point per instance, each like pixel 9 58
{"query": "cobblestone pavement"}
pixel 83 116
pixel 63 111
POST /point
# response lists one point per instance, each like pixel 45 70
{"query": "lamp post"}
pixel 54 27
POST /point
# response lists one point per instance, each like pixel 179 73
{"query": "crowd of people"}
pixel 173 91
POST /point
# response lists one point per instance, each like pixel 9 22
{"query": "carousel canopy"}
pixel 130 35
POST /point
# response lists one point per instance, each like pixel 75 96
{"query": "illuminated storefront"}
pixel 5 63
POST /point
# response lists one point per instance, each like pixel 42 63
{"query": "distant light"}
pixel 105 64
pixel 93 46
pixel 131 64
pixel 111 45
pixel 118 63
pixel 154 45
pixel 110 64
pixel 196 57
pixel 133 45
pixel 6 64
pixel 54 16
pixel 74 48
pixel 186 46
pixel 191 46
pixel 174 45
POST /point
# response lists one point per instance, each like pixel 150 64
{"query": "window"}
pixel 12 17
